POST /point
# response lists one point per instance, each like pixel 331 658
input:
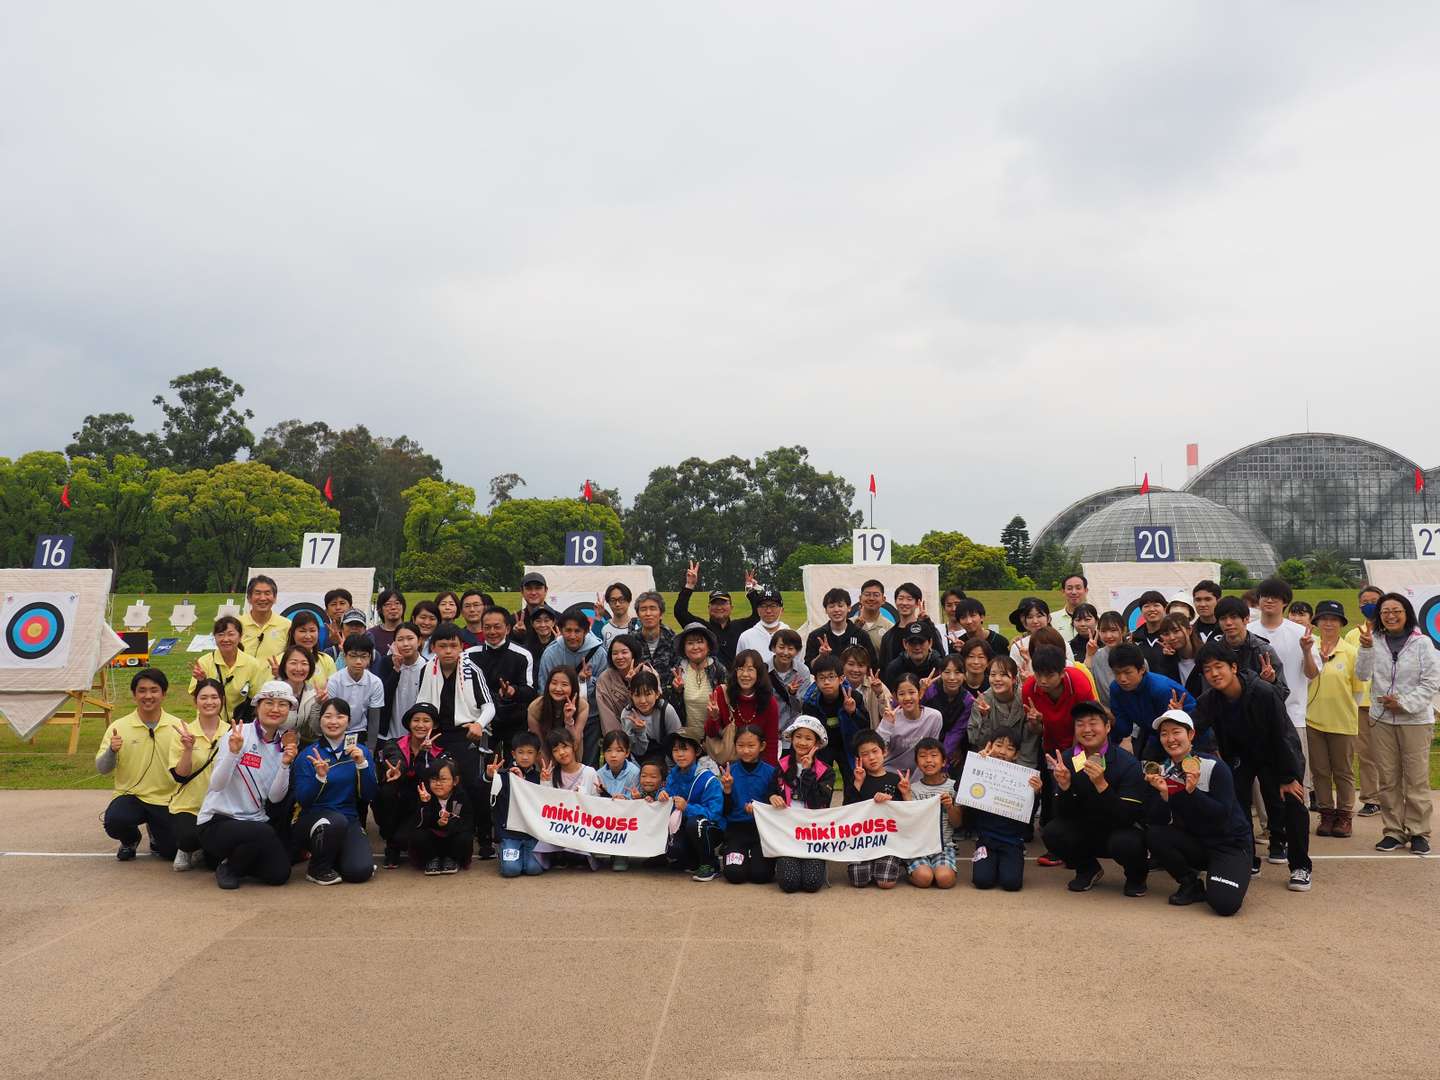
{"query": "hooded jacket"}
pixel 812 787
pixel 701 790
pixel 558 654
pixel 1413 677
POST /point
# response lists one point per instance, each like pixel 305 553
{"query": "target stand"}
pixel 82 705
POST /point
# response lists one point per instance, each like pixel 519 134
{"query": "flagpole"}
pixel 872 510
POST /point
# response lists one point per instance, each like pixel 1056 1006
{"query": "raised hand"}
pixel 929 680
pixel 1092 645
pixel 570 707
pixel 117 741
pixel 824 644
pixel 712 709
pixel 506 690
pixel 727 782
pixel 1367 636
pixel 692 575
pixel 804 761
pixel 637 721
pixel 1267 669
pixel 849 700
pixel 197 672
pixel 187 737
pixel 889 714
pixel 291 748
pixel 424 792
pixel 876 683
pixel 635 793
pixel 1176 701
pixel 904 785
pixel 393 771
pixel 600 610
pixel 237 737
pixel 584 672
pixel 794 683
pixel 1192 781
pixel 859 776
pixel 1033 718
pixel 1059 770
pixel 322 694
pixel 751 581
pixel 322 767
pixel 982 705
pixel 1307 639
pixel 678 681
pixel 275 666
pixel 547 771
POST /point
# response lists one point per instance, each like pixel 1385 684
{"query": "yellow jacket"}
pixel 142 766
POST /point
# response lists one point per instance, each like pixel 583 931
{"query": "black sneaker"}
pixel 1191 892
pixel 392 858
pixel 1299 881
pixel 434 867
pixel 485 850
pixel 1389 843
pixel 225 877
pixel 1085 880
pixel 704 873
pixel 323 877
pixel 1136 888
pixel 449 866
pixel 1278 856
pixel 1255 866
pixel 126 852
pixel 1419 845
pixel 1369 809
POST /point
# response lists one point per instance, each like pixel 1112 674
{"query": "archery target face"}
pixel 37 629
pixel 291 604
pixel 1427 611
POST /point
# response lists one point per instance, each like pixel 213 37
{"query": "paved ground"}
pixel 639 976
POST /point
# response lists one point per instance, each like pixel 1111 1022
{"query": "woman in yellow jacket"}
pixel 192 756
pixel 136 748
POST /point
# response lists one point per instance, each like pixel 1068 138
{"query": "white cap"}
pixel 1183 597
pixel 809 723
pixel 1176 716
pixel 276 689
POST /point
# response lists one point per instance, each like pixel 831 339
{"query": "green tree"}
pixel 298 448
pixel 789 575
pixel 792 503
pixel 235 516
pixel 963 563
pixel 1331 570
pixel 30 489
pixel 502 487
pixel 105 435
pixel 446 542
pixel 1015 539
pixel 533 530
pixel 1051 562
pixel 371 475
pixel 1294 573
pixel 204 429
pixel 112 511
pixel 1235 575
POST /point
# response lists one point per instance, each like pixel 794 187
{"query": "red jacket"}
pixel 1059 728
pixel 744 712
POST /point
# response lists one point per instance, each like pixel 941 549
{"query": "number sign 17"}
pixel 584 549
pixel 872 546
pixel 1154 543
pixel 320 551
pixel 1427 541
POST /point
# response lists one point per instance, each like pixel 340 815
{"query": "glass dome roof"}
pixel 1203 530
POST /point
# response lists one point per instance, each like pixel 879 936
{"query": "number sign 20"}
pixel 1154 543
pixel 584 549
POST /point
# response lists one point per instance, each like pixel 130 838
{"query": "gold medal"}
pixel 1190 766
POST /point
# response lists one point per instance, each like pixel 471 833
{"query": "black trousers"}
pixel 469 761
pixel 800 875
pixel 125 815
pixel 1289 817
pixel 335 843
pixel 1184 855
pixel 425 845
pixel 744 862
pixel 1002 865
pixel 694 843
pixel 252 848
pixel 1083 842
pixel 187 832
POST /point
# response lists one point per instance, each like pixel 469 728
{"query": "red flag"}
pixel 329 489
pixel 1419 482
pixel 1145 485
pixel 65 493
pixel 588 492
pixel 872 483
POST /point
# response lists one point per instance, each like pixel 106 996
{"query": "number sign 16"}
pixel 53 552
pixel 872 546
pixel 1154 543
pixel 1427 541
pixel 320 551
pixel 584 549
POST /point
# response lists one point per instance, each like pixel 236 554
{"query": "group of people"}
pixel 1149 745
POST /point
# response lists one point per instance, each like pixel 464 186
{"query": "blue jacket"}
pixel 558 654
pixel 619 785
pixel 342 789
pixel 1135 710
pixel 749 783
pixel 701 790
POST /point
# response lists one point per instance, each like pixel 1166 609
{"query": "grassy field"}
pixel 43 762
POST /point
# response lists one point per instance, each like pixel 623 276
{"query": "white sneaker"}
pixel 184 860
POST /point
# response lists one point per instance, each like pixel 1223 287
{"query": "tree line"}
pixel 191 506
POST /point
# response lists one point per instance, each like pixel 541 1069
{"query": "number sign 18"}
pixel 872 546
pixel 1427 541
pixel 1154 543
pixel 584 549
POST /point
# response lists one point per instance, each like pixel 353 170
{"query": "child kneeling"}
pixel 935 783
pixel 445 834
pixel 1000 841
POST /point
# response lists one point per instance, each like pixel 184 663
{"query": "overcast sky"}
pixel 990 253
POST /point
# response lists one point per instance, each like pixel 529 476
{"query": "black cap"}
pixel 769 596
pixel 353 616
pixel 1333 608
pixel 916 631
pixel 718 594
pixel 532 578
pixel 546 610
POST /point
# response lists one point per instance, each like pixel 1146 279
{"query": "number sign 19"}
pixel 320 551
pixel 1154 543
pixel 872 546
pixel 53 552
pixel 1427 541
pixel 584 549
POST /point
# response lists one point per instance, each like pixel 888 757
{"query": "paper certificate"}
pixel 1001 787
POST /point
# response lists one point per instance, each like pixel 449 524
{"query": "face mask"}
pixel 1369 610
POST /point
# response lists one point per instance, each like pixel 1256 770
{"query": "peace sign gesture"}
pixel 1177 700
pixel 1367 636
pixel 393 771
pixel 1033 717
pixel 600 611
pixel 547 771
pixel 982 705
pixel 322 767
pixel 1059 770
pixel 889 714
pixel 1267 669
pixel 849 699
pixel 678 682
pixel 726 780
pixel 876 683
pixel 569 708
pixel 751 581
pixel 824 644
pixel 424 792
pixel 1307 639
pixel 712 707
pixel 905 784
pixel 1092 645
pixel 927 681
pixel 237 737
pixel 692 574
pixel 859 776
pixel 187 737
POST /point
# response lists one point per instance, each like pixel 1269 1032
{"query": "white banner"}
pixel 631 828
pixel 1001 787
pixel 856 833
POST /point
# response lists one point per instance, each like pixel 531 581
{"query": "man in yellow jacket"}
pixel 136 748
